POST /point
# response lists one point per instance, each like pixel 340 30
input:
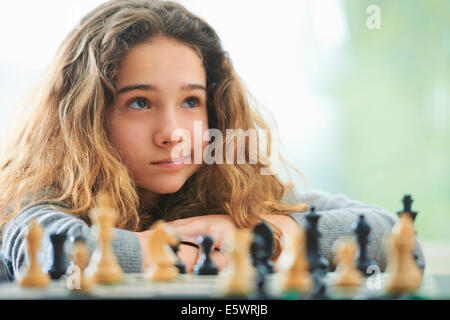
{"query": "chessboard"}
pixel 195 287
pixel 300 274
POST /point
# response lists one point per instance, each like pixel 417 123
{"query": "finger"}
pixel 217 235
pixel 220 259
pixel 221 237
pixel 188 256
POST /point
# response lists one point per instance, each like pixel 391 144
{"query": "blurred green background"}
pixel 393 93
pixel 391 87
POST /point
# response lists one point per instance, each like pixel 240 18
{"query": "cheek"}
pixel 197 128
pixel 206 136
pixel 205 133
pixel 126 137
pixel 205 127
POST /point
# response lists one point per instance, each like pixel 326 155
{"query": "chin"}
pixel 166 188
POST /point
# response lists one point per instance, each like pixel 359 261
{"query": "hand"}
pixel 284 222
pixel 187 254
pixel 220 258
pixel 217 226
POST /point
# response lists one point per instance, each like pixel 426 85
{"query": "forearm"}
pixel 284 222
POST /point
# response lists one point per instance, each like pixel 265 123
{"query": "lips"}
pixel 170 160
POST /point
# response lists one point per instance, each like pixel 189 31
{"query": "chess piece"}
pixel 407 204
pixel 179 264
pixel 108 268
pixel 81 260
pixel 265 231
pixel 297 277
pixel 257 252
pixel 362 231
pixel 205 265
pixel 241 275
pixel 162 257
pixel 261 293
pixel 34 277
pixel 59 258
pixel 316 261
pixel 319 291
pixel 347 275
pixel 404 274
pixel 258 255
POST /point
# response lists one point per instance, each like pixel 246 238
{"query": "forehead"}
pixel 162 61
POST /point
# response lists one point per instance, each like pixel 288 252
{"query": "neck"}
pixel 148 200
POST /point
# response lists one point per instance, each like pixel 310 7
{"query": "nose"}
pixel 167 125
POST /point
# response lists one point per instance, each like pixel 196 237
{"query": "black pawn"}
pixel 59 258
pixel 179 264
pixel 316 261
pixel 265 232
pixel 407 205
pixel 362 229
pixel 205 265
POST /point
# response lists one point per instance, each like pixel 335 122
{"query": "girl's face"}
pixel 161 87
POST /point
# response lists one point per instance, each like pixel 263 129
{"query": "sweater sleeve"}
pixel 125 245
pixel 338 214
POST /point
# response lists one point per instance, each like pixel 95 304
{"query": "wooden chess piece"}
pixel 361 230
pixel 108 268
pixel 404 274
pixel 240 280
pixel 163 259
pixel 81 260
pixel 297 277
pixel 179 264
pixel 258 254
pixel 264 230
pixel 59 263
pixel 206 265
pixel 407 204
pixel 347 274
pixel 34 277
pixel 316 261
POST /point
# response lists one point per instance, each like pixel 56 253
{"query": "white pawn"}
pixel 81 261
pixel 347 274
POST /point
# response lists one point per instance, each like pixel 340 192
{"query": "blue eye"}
pixel 191 102
pixel 138 104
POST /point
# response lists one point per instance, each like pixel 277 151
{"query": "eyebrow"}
pixel 152 87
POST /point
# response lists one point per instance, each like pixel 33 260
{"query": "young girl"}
pixel 122 83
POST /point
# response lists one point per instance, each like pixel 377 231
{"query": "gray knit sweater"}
pixel 338 213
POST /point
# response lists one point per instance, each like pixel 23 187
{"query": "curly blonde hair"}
pixel 62 151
